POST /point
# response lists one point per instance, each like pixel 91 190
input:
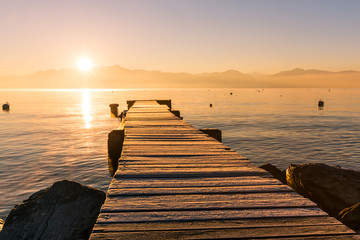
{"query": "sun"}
pixel 85 64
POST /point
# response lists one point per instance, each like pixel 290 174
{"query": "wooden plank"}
pixel 159 148
pixel 201 190
pixel 139 142
pixel 116 203
pixel 217 224
pixel 203 158
pixel 188 162
pixel 179 151
pixel 172 165
pixel 159 216
pixel 169 147
pixel 178 123
pixel 285 226
pixel 193 182
pixel 184 153
pixel 186 169
pixel 173 135
pixel 235 233
pixel 185 173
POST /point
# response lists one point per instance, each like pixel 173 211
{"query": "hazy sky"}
pixel 180 35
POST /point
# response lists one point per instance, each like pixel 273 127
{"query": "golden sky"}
pixel 180 36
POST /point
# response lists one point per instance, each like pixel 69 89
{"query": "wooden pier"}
pixel 175 182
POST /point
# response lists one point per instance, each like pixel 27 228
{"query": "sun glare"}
pixel 85 64
pixel 86 107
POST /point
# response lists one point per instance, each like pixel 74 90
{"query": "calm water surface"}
pixel 53 135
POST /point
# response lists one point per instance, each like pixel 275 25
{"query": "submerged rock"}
pixel 66 210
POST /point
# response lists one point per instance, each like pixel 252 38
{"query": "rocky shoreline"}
pixel 66 210
pixel 333 189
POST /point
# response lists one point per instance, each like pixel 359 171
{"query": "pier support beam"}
pixel 161 102
pixel 115 143
pixel 114 109
pixel 175 112
pixel 213 132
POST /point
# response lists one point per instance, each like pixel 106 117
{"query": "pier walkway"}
pixel 175 182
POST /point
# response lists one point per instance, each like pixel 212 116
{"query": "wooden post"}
pixel 115 144
pixel 175 112
pixel 114 109
pixel 165 102
pixel 130 103
pixel 213 132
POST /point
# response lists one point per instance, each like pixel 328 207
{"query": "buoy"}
pixel 6 106
pixel 210 104
pixel 321 103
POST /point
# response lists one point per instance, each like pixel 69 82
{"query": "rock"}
pixel 332 189
pixel 1 224
pixel 351 216
pixel 277 173
pixel 66 210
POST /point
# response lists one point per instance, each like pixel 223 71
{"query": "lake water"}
pixel 53 135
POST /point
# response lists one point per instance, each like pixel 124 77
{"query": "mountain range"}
pixel 117 77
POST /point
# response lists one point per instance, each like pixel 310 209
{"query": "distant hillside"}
pixel 301 72
pixel 317 78
pixel 119 77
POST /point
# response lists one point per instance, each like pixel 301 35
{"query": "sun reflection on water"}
pixel 86 108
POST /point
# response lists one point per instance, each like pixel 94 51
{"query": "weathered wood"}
pixel 118 203
pixel 175 182
pixel 160 216
pixel 247 229
pixel 175 158
pixel 201 190
pixel 270 232
pixel 193 182
pixel 184 173
pixel 220 224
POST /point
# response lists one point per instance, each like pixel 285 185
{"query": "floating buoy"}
pixel 321 103
pixel 210 104
pixel 6 106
